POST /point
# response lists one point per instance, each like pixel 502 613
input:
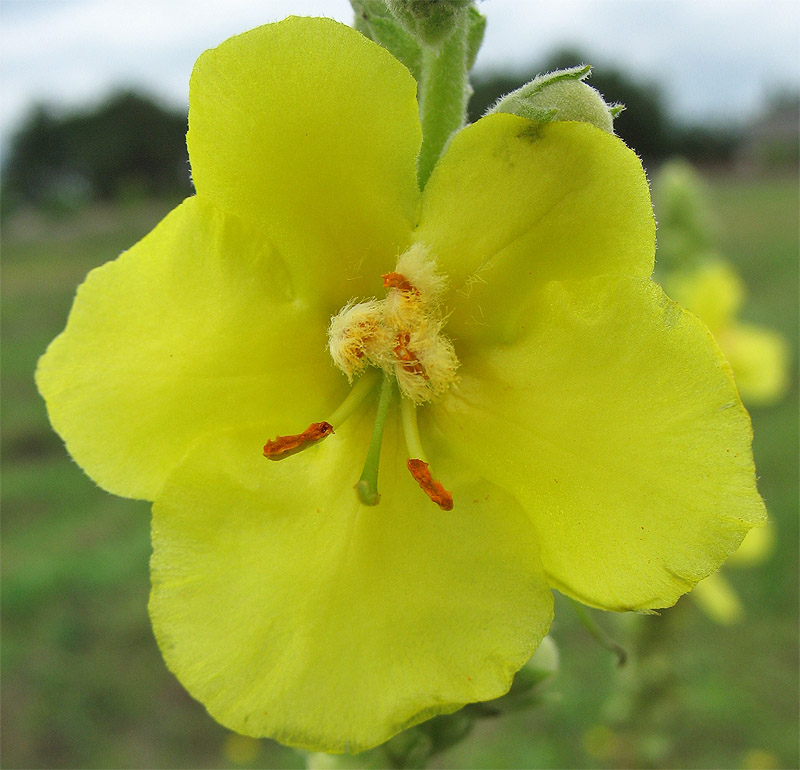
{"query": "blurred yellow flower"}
pixel 761 759
pixel 696 276
pixel 240 749
pixel 759 356
pixel 586 428
pixel 715 595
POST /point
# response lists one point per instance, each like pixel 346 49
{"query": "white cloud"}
pixel 71 51
pixel 714 56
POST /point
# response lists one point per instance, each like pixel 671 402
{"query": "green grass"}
pixel 85 686
pixel 83 681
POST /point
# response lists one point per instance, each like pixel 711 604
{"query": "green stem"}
pixel 367 486
pixel 443 95
pixel 599 634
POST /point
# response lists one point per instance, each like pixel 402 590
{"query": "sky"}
pixel 714 59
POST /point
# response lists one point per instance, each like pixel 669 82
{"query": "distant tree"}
pixel 645 124
pixel 129 144
pixel 707 145
pixel 36 149
pixel 772 142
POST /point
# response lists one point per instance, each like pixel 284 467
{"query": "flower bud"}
pixel 409 748
pixel 447 730
pixel 560 95
pixel 542 665
pixel 718 599
pixel 686 227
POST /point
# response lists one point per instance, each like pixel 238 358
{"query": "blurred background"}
pixel 92 126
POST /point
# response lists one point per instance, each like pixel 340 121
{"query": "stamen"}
pixel 367 486
pixel 397 281
pixel 409 361
pixel 430 486
pixel 357 394
pixel 408 416
pixel 417 464
pixel 283 446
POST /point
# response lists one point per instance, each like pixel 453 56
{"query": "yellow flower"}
pixel 715 595
pixel 703 282
pixel 587 429
pixel 759 356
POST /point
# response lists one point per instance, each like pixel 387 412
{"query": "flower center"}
pixel 400 335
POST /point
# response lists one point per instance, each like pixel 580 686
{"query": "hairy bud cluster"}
pixel 561 95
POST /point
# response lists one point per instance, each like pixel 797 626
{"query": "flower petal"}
pixel 614 420
pixel 512 204
pixel 310 130
pixel 292 611
pixel 195 328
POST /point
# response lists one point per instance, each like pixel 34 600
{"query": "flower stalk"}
pixel 443 94
pixel 591 625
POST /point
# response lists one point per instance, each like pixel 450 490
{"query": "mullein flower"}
pixel 487 362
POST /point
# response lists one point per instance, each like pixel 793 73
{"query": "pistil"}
pixel 367 485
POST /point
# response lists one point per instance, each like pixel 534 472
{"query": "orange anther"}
pixel 430 486
pixel 397 281
pixel 410 362
pixel 283 446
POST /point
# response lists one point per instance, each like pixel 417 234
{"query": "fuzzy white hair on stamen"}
pixel 401 334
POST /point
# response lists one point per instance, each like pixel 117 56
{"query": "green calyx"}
pixel 410 748
pixel 560 95
pixel 525 692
